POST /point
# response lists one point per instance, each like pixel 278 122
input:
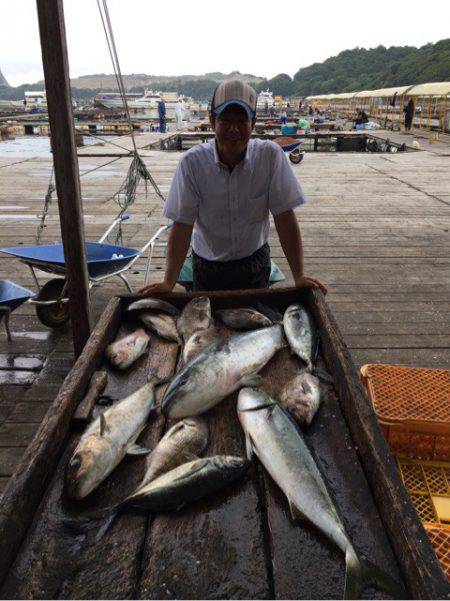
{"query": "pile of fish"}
pixel 214 366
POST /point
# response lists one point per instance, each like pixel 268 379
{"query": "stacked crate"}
pixel 413 408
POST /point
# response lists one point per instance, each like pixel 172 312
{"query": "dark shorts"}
pixel 240 274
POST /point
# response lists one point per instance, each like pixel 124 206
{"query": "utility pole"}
pixel 59 100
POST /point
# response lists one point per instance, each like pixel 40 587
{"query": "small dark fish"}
pixel 153 304
pixel 198 341
pixel 244 318
pixel 162 324
pixel 196 315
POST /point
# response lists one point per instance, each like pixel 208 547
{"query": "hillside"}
pixel 3 81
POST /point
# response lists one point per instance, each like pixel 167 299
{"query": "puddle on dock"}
pixel 21 216
pixel 32 335
pixel 21 362
pixel 13 208
pixel 33 146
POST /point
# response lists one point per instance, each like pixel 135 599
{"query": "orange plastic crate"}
pixel 413 408
pixel 440 539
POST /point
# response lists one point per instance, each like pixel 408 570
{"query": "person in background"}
pixel 162 115
pixel 361 118
pixel 310 110
pixel 223 193
pixel 409 114
pixel 283 116
pixel 179 113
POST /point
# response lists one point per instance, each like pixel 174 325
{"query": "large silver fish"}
pixel 244 318
pixel 186 483
pixel 272 435
pixel 196 315
pixel 301 397
pixel 107 440
pixel 300 333
pixel 219 370
pixel 186 438
pixel 122 353
pixel 162 324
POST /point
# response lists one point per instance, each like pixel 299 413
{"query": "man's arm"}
pixel 291 242
pixel 177 248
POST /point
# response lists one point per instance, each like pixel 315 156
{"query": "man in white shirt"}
pixel 221 196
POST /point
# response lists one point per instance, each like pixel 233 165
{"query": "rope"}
pixel 47 202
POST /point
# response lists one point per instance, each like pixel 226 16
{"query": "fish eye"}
pixel 75 462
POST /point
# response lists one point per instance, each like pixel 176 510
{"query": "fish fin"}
pixel 191 456
pixel 361 573
pixel 89 525
pixel 296 514
pixel 103 425
pixel 248 448
pixel 251 380
pixel 322 374
pixel 135 449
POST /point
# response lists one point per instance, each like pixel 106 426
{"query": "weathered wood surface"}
pixel 96 386
pixel 56 71
pixel 26 487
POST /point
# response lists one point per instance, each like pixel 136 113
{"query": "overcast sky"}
pixel 173 37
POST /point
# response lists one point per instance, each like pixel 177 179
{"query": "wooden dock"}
pixel 375 230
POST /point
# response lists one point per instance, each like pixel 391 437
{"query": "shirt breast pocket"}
pixel 257 208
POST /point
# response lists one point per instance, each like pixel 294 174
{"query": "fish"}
pixel 220 369
pixel 186 438
pixel 171 491
pixel 154 304
pixel 279 445
pixel 198 341
pixel 162 324
pixel 299 331
pixel 301 397
pixel 243 318
pixel 196 315
pixel 122 353
pixel 107 440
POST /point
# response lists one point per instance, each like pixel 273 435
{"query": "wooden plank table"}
pixel 240 543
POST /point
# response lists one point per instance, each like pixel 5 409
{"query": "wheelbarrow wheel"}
pixel 57 314
pixel 296 157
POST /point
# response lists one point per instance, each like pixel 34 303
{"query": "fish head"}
pixel 119 357
pixel 251 399
pixel 180 390
pixel 87 467
pixel 229 466
pixel 198 425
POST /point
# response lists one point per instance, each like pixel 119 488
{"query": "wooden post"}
pixel 56 70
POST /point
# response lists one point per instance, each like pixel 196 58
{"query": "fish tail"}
pixel 361 573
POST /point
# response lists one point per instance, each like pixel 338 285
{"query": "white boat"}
pixel 35 100
pixel 265 100
pixel 147 103
pixel 113 100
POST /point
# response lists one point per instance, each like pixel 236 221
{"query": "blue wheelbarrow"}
pixel 11 296
pixel 103 262
pixel 292 147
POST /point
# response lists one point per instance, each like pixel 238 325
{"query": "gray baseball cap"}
pixel 234 91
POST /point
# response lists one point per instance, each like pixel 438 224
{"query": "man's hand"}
pixel 306 282
pixel 158 288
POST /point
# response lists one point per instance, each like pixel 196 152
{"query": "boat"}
pixel 265 99
pixel 112 100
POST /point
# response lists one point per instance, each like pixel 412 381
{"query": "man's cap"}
pixel 234 91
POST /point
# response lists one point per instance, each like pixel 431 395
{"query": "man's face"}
pixel 233 129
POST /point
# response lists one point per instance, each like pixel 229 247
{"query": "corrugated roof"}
pixel 382 92
pixel 439 88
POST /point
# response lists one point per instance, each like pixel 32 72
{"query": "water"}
pixel 34 146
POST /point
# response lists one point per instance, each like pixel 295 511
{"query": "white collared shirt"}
pixel 230 211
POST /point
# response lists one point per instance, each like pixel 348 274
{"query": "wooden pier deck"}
pixel 375 230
